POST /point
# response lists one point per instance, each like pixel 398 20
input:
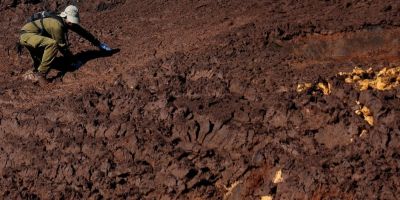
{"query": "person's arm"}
pixel 85 34
pixel 58 34
pixel 91 38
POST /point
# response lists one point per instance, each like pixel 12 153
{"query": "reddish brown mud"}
pixel 201 103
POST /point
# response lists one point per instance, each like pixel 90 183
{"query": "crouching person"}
pixel 48 34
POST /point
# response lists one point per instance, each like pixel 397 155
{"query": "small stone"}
pixel 268 197
pixel 179 171
pixel 278 178
pixel 364 134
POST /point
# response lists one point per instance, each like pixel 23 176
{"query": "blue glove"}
pixel 76 64
pixel 104 47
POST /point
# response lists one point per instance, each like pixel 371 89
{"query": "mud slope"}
pixel 201 103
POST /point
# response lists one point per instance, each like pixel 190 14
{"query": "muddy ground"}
pixel 201 103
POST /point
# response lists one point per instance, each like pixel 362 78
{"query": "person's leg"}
pixel 38 42
pixel 36 55
pixel 49 54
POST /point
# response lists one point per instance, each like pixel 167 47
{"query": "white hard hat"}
pixel 71 13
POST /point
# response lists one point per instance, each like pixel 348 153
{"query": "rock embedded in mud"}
pixel 313 88
pixel 364 134
pixel 366 114
pixel 385 79
pixel 268 197
pixel 325 88
pixel 179 171
pixel 302 87
pixel 278 178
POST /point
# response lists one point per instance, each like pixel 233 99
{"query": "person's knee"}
pixel 52 47
pixel 52 44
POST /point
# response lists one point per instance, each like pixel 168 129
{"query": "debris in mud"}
pixel 278 178
pixel 301 87
pixel 230 190
pixel 364 134
pixel 322 86
pixel 28 75
pixel 266 197
pixel 366 113
pixel 325 88
pixel 385 79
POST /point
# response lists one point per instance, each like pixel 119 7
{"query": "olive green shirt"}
pixel 58 31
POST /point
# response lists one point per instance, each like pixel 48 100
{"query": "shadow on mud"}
pixel 64 66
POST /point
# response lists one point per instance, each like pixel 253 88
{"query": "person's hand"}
pixel 77 64
pixel 104 47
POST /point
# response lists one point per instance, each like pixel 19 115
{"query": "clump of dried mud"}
pixel 201 103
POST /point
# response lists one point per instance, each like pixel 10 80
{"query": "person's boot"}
pixel 41 78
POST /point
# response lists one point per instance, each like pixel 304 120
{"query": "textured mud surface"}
pixel 201 103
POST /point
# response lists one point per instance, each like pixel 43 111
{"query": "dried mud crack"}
pixel 202 102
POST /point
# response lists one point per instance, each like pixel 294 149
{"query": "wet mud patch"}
pixel 367 45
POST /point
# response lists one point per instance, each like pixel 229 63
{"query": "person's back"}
pixel 52 28
pixel 35 26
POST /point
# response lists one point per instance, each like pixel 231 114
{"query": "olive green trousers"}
pixel 43 50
